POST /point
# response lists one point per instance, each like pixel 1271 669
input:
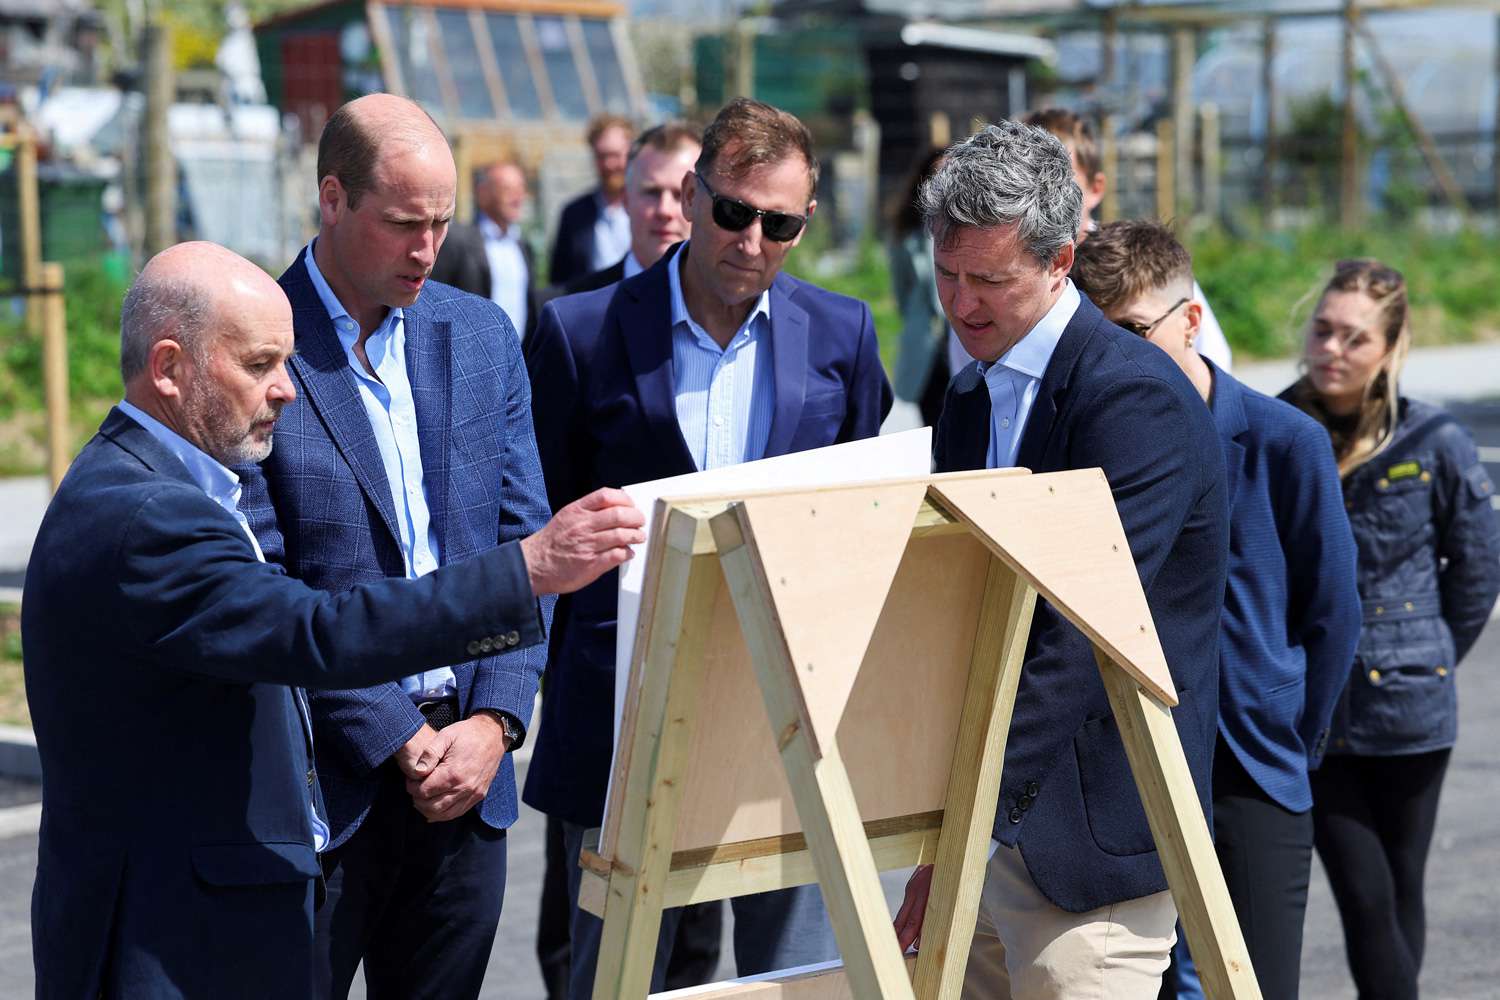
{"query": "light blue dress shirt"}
pixel 392 411
pixel 223 488
pixel 1014 379
pixel 510 279
pixel 725 396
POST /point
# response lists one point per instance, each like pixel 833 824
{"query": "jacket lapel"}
pixel 1055 381
pixel 429 360
pixel 789 361
pixel 1231 423
pixel 643 317
pixel 323 369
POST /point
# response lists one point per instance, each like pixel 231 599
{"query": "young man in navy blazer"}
pixel 181 812
pixel 412 447
pixel 708 358
pixel 1291 612
pixel 1075 903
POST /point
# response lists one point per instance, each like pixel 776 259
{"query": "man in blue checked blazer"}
pixel 411 447
pixel 1291 611
pixel 710 357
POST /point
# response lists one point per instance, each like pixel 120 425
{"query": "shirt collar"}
pixel 348 332
pixel 679 304
pixel 632 266
pixel 490 230
pixel 1031 354
pixel 221 485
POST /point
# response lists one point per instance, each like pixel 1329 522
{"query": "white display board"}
pixel 890 456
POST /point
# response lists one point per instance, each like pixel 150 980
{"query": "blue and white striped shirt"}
pixel 389 404
pixel 726 396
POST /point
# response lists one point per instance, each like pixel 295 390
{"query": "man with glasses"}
pixel 1291 615
pixel 1075 904
pixel 708 358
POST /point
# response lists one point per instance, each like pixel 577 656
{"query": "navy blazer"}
pixel 176 853
pixel 325 487
pixel 1291 608
pixel 1108 399
pixel 602 397
pixel 573 246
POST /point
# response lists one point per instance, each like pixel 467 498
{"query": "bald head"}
pixel 204 335
pixel 363 130
pixel 502 194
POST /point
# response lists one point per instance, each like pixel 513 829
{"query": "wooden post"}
pixel 463 162
pixel 1452 190
pixel 1111 39
pixel 28 196
pixel 55 372
pixel 1268 92
pixel 1184 54
pixel 1350 201
pixel 1109 156
pixel 1166 173
pixel 1495 134
pixel 161 168
pixel 940 129
pixel 1213 162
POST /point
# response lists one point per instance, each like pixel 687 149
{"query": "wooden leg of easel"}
pixel 642 853
pixel 1182 837
pixel 974 782
pixel 825 800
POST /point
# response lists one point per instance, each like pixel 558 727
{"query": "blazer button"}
pixel 486 645
pixel 473 648
pixel 1024 802
pixel 1015 815
pixel 513 638
pixel 1374 676
pixel 501 642
pixel 1442 671
pixel 1383 484
pixel 1032 788
pixel 1410 606
pixel 1380 609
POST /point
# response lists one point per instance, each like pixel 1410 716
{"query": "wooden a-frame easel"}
pixel 873 617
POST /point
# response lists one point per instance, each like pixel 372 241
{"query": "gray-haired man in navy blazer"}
pixel 1075 902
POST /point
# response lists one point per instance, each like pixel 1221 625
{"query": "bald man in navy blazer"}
pixel 711 357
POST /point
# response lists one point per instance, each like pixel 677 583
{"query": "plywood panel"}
pixel 1061 529
pixel 899 723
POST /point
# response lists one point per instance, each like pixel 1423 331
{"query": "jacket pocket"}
pixel 1395 707
pixel 260 863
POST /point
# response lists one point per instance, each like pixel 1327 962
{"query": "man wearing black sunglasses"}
pixel 710 357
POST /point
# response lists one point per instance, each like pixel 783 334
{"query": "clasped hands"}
pixel 449 772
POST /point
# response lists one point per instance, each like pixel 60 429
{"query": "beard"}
pixel 215 430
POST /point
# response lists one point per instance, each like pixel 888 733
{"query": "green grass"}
pixel 13 711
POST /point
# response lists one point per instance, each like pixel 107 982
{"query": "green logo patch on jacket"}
pixel 1403 470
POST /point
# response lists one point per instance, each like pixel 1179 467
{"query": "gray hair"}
pixel 159 307
pixel 1006 174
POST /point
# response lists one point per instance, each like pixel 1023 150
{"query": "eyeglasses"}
pixel 1145 331
pixel 733 216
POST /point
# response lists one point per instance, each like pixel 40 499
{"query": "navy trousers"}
pixel 417 902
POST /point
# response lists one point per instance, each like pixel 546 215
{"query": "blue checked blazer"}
pixel 326 488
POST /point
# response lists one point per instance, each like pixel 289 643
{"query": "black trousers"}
pixel 1373 819
pixel 1266 854
pixel 695 951
pixel 418 902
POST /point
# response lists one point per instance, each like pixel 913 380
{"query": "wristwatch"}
pixel 515 733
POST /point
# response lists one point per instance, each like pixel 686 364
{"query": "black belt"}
pixel 441 713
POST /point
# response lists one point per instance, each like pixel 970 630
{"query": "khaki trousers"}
pixel 1026 948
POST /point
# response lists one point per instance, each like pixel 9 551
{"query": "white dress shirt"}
pixel 611 234
pixel 1014 379
pixel 510 279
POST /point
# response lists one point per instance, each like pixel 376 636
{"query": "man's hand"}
pixel 455 769
pixel 409 757
pixel 913 908
pixel 582 542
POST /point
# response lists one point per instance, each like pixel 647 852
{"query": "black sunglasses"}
pixel 733 216
pixel 1145 331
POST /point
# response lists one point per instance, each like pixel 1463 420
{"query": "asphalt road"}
pixel 1463 886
